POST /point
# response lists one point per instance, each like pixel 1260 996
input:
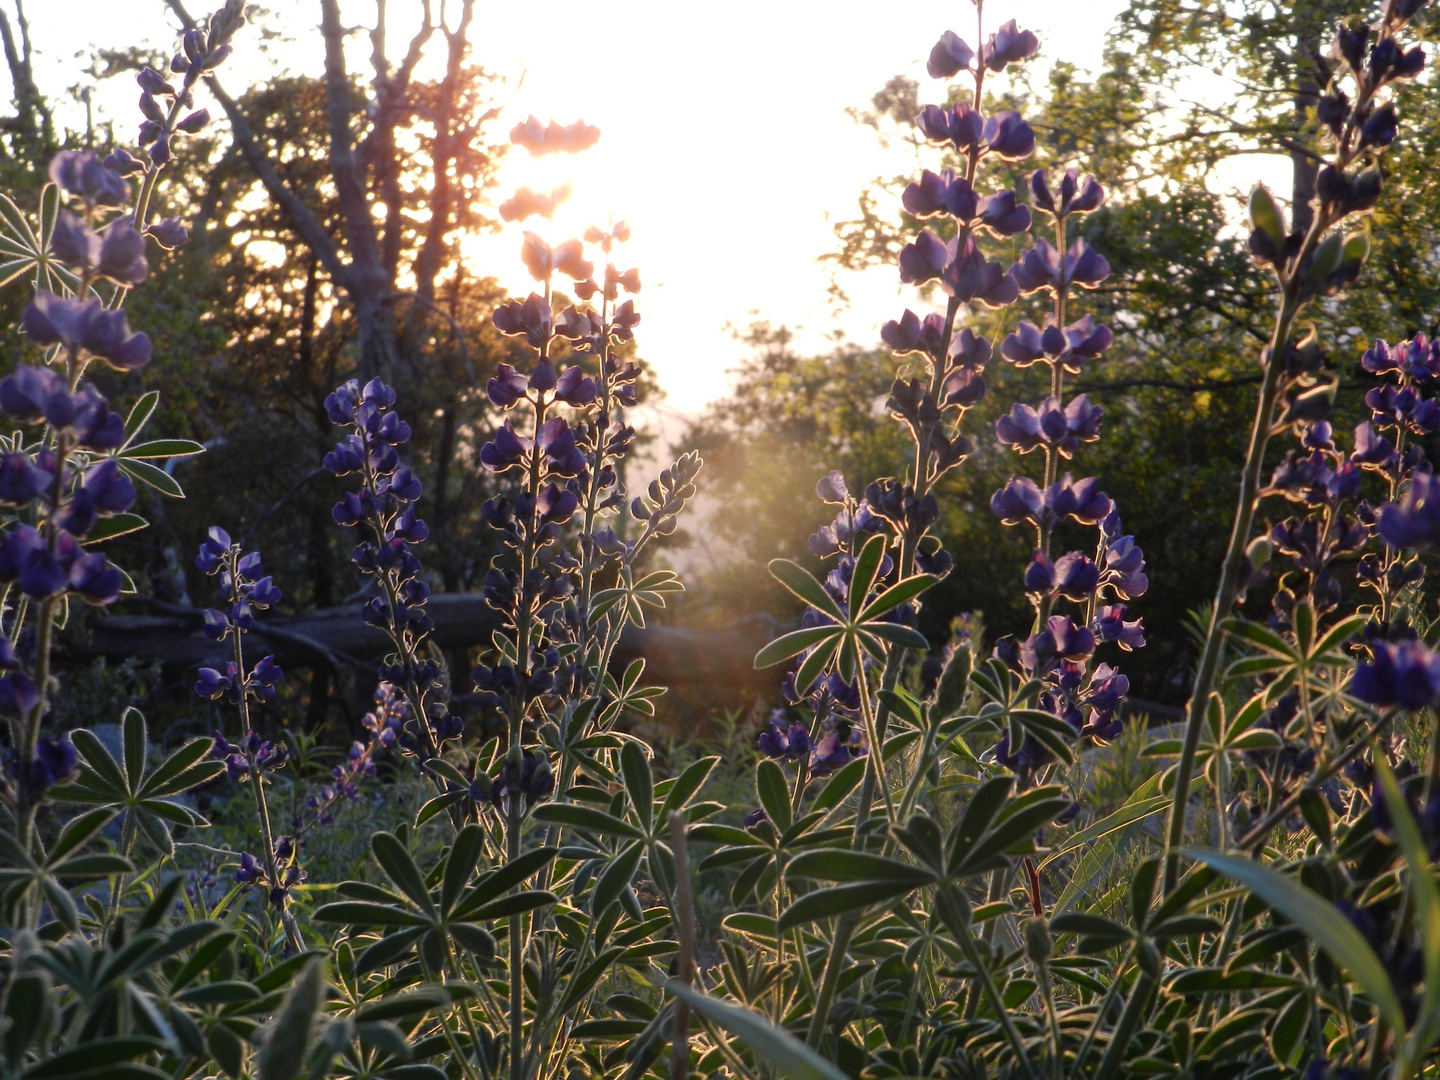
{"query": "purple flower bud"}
pixel 123 162
pixel 109 487
pixel 924 259
pixel 1413 522
pixel 160 149
pixel 169 233
pixel 194 123
pixel 1040 574
pixel 122 254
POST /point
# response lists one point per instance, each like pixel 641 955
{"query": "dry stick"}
pixel 685 971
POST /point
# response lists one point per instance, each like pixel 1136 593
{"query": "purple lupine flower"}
pixel 507 387
pixel 170 233
pixel 964 386
pixel 1002 216
pixel 1075 576
pixel 95 580
pixel 1110 626
pixel 949 56
pixel 962 126
pixel 831 488
pixel 85 324
pixel 830 754
pixel 505 451
pixel 213 685
pixel 1417 360
pixel 1040 573
pixel 1007 135
pixel 1405 674
pixel 557 442
pixel 122 254
pixel 1081 499
pixel 82 173
pixel 1125 568
pixel 1076 196
pixel 55 763
pixel 554 138
pixel 909 334
pixel 1008 45
pixel 1371 449
pixel 778 741
pixel 970 276
pixel 1044 267
pixel 18 693
pixel 530 317
pixel 924 259
pixel 21 480
pixel 941 193
pixel 1019 500
pixel 554 505
pixel 575 388
pixel 543 260
pixel 109 487
pixel 1414 521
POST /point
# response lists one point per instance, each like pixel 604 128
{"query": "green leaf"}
pixel 399 866
pixel 163 448
pixel 1321 921
pixel 789 1057
pixel 840 899
pixel 132 727
pixel 365 913
pixel 1424 897
pixel 792 644
pixel 151 476
pixel 1142 804
pixel 895 634
pixel 460 865
pixel 107 528
pixel 862 577
pixel 94 1056
pixel 97 755
pixel 1260 636
pixel 798 581
pixel 140 414
pixel 639 784
pixel 574 816
pixel 686 785
pixel 900 593
pixel 774 793
pixel 77 833
pixel 284 1051
pixel 842 864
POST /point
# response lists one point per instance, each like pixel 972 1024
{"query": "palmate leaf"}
pixel 803 586
pixel 862 577
pixel 789 1057
pixel 1321 921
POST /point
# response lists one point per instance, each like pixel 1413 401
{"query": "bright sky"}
pixel 724 139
